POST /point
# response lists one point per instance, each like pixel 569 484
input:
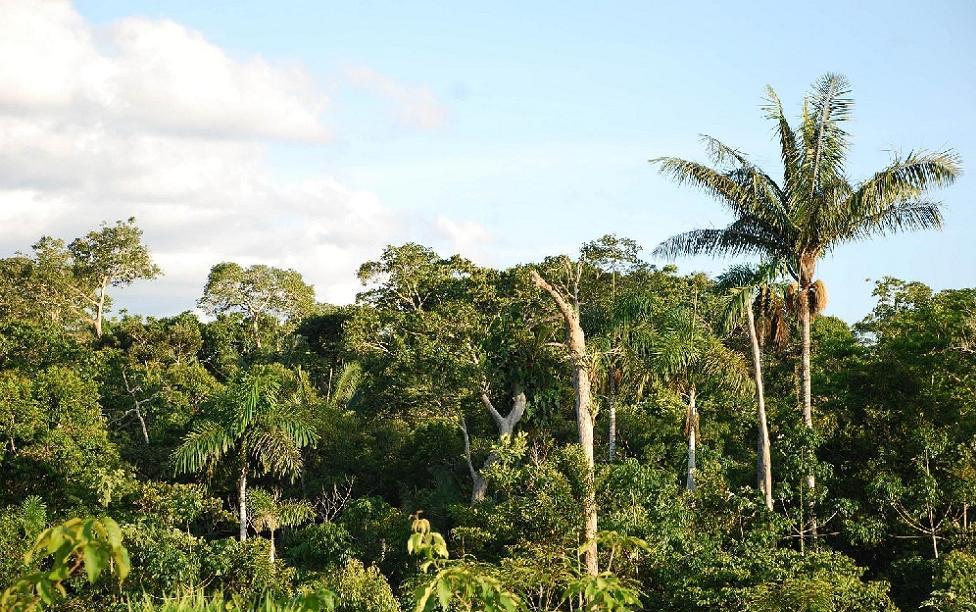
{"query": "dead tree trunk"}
pixel 505 426
pixel 100 307
pixel 576 343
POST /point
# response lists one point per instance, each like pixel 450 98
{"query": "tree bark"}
pixel 612 437
pixel 100 308
pixel 691 425
pixel 764 469
pixel 242 500
pixel 479 484
pixel 805 321
pixel 584 410
pixel 505 426
pixel 257 332
pixel 272 547
pixel 142 423
pixel 805 357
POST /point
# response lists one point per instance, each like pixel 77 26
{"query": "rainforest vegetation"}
pixel 592 431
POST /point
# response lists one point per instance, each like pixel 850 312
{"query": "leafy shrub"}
pixel 955 583
pixel 317 547
pixel 361 589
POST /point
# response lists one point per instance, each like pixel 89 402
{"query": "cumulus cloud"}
pixel 149 118
pixel 415 106
pixel 467 237
pixel 152 74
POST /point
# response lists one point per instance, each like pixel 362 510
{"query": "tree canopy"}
pixel 588 431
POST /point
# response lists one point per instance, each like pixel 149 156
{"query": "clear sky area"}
pixel 311 134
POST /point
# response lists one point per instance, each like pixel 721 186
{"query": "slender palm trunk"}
pixel 612 438
pixel 805 358
pixel 272 547
pixel 692 427
pixel 805 317
pixel 242 499
pixel 764 468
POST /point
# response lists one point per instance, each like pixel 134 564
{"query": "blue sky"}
pixel 524 129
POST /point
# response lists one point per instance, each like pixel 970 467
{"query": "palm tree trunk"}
pixel 242 500
pixel 805 317
pixel 272 547
pixel 612 439
pixel 764 469
pixel 692 427
pixel 805 357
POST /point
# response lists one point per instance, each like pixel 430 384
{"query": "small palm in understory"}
pixel 685 354
pixel 270 513
pixel 255 418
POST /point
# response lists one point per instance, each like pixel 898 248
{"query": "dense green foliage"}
pixel 419 449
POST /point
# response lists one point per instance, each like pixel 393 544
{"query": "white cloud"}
pixel 151 74
pixel 467 237
pixel 148 118
pixel 415 106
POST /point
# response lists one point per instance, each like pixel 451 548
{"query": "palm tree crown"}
pixel 815 207
pixel 252 417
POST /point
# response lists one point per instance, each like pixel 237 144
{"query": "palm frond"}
pixel 734 303
pixel 825 141
pixel 294 512
pixel 745 236
pixel 898 217
pixel 207 441
pixel 253 393
pixel 789 148
pixel 275 451
pixel 346 385
pixel 722 154
pixel 716 183
pixel 904 179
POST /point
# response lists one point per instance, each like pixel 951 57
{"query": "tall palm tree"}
pixel 254 418
pixel 815 208
pixel 748 289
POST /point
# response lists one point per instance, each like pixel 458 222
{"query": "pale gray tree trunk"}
pixel 612 438
pixel 137 410
pixel 805 316
pixel 100 307
pixel 691 426
pixel 242 500
pixel 764 469
pixel 142 424
pixel 505 426
pixel 584 410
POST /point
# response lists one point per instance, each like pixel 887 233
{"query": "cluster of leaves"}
pixel 95 544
